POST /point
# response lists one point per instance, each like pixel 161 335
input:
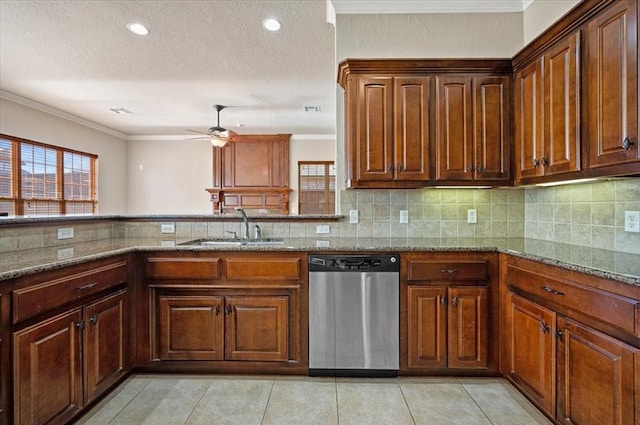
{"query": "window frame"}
pixel 63 204
pixel 329 193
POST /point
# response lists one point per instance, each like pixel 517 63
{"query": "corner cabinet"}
pixel 445 313
pixel 209 311
pixel 391 137
pixel 570 346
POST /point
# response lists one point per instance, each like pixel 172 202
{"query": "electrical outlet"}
pixel 404 216
pixel 323 228
pixel 169 244
pixel 65 253
pixel 167 228
pixel 65 233
pixel 353 216
pixel 472 216
pixel 323 244
pixel 632 221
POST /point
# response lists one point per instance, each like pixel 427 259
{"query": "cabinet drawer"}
pixel 617 310
pixel 264 268
pixel 183 268
pixel 447 270
pixel 48 295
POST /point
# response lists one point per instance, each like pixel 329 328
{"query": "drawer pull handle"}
pixel 450 271
pixel 87 286
pixel 544 328
pixel 551 290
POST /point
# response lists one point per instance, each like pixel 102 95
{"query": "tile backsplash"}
pixel 590 215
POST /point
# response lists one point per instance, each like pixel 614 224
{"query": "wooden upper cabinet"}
pixel 597 377
pixel 547 109
pixel 411 142
pixel 472 131
pixel 612 87
pixel 374 129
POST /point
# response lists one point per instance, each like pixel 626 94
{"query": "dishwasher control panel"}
pixel 355 263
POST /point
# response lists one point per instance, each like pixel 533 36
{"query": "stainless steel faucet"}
pixel 245 219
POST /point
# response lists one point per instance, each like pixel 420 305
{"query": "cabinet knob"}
pixel 544 328
pixel 80 325
pixel 391 168
pixel 216 310
pixel 536 163
pixel 454 301
pixel 545 162
pixel 557 334
pixel 479 168
pixel 443 300
pixel 94 319
pixel 470 168
pixel 228 310
pixel 400 168
pixel 627 143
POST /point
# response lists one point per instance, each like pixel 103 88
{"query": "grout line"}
pixel 266 405
pixel 476 403
pixel 406 403
pixel 129 402
pixel 335 388
pixel 199 400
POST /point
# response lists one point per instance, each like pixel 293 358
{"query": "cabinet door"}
pixel 374 129
pixel 47 371
pixel 257 328
pixel 612 66
pixel 529 119
pixel 492 128
pixel 190 327
pixel 562 107
pixel 467 320
pixel 531 351
pixel 427 327
pixel 105 344
pixel 411 117
pixel 454 131
pixel 596 377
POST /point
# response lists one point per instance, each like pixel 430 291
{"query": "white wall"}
pixel 29 123
pixel 307 149
pixel 170 177
pixel 541 14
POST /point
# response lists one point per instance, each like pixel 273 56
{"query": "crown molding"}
pixel 60 114
pixel 431 6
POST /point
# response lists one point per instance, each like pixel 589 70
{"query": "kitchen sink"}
pixel 234 241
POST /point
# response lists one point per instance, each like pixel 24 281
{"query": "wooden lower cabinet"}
pixel 47 371
pixel 62 363
pixel 212 327
pixel 598 377
pixel 447 327
pixel 531 350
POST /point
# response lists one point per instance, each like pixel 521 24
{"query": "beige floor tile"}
pixel 440 403
pixel 113 404
pixel 302 400
pixel 167 401
pixel 502 404
pixel 371 403
pixel 233 401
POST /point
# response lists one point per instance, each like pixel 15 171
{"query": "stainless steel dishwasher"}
pixel 354 315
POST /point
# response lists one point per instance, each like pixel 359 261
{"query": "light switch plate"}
pixel 353 216
pixel 472 216
pixel 404 216
pixel 65 233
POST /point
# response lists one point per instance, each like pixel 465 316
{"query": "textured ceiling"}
pixel 78 57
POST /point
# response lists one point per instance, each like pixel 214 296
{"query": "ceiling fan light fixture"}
pixel 137 28
pixel 272 24
pixel 218 142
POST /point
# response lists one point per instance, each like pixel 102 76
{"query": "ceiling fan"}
pixel 218 136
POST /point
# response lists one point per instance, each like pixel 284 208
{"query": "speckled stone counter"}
pixel 617 266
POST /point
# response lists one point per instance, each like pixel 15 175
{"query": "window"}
pixel 317 187
pixel 40 179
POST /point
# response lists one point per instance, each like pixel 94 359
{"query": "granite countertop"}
pixel 613 265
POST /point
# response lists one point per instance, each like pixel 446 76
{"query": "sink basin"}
pixel 233 241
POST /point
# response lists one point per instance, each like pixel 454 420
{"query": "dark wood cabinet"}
pixel 531 350
pixel 547 109
pixel 447 327
pixel 47 371
pixel 389 130
pixel 106 345
pixel 598 377
pixel 612 86
pixel 209 327
pixel 472 129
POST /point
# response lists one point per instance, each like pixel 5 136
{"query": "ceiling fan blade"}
pixel 199 132
pixel 198 138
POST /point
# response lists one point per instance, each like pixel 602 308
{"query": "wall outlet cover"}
pixel 472 216
pixel 323 228
pixel 167 228
pixel 632 221
pixel 404 216
pixel 65 233
pixel 353 216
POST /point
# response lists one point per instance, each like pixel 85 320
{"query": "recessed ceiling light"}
pixel 137 28
pixel 272 24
